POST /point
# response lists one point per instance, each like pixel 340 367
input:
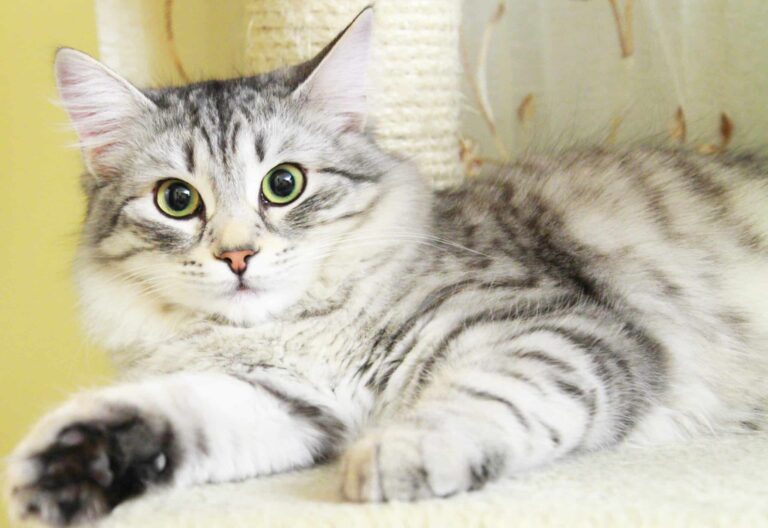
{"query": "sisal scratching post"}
pixel 415 93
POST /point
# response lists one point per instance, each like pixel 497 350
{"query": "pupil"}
pixel 178 197
pixel 282 183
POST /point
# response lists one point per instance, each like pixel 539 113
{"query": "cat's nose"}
pixel 237 259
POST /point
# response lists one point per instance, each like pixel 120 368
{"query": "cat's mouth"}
pixel 242 287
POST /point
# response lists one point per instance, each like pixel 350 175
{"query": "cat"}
pixel 278 291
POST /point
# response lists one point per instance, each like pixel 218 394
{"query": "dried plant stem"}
pixel 168 17
pixel 525 109
pixel 624 27
pixel 478 81
pixel 726 134
pixel 468 156
pixel 678 130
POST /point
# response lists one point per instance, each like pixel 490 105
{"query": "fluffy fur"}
pixel 435 340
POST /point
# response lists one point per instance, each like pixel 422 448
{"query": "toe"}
pixel 360 478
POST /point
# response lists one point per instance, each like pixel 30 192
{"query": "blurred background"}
pixel 42 355
pixel 457 86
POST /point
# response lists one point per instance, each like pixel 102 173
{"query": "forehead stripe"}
pixel 353 176
pixel 259 145
pixel 189 156
pixel 206 138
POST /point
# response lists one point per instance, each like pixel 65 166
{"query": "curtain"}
pixel 669 72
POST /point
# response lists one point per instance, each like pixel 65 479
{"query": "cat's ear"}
pixel 339 81
pixel 102 106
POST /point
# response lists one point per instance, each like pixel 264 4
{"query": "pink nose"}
pixel 237 260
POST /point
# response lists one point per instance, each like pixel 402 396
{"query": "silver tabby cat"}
pixel 278 291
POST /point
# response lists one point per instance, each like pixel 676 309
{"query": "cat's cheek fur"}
pixel 115 314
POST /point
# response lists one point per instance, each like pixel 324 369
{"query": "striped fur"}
pixel 434 340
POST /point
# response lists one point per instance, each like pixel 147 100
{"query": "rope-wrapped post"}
pixel 415 91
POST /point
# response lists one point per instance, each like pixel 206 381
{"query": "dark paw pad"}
pixel 93 466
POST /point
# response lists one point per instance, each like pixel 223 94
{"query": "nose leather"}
pixel 237 259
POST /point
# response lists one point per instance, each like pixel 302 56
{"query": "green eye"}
pixel 283 184
pixel 177 199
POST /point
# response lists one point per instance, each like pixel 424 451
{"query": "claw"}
pixel 71 438
pixel 160 462
pixel 99 470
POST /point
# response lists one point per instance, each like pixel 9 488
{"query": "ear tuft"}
pixel 340 81
pixel 101 105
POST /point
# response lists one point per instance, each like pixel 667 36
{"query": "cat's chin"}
pixel 119 317
pixel 248 306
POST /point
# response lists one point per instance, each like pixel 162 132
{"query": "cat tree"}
pixel 415 102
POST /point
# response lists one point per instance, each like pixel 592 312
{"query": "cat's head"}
pixel 233 198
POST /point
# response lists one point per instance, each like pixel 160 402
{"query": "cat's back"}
pixel 673 241
pixel 672 188
pixel 618 200
pixel 620 216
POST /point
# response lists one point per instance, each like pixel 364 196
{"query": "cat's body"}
pixel 591 232
pixel 434 340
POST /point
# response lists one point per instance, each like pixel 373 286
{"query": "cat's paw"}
pixel 404 463
pixel 84 459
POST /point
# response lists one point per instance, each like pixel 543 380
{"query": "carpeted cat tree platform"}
pixel 704 483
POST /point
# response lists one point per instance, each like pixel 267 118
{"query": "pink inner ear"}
pixel 80 99
pixel 96 129
pixel 339 82
pixel 99 102
pixel 97 137
pixel 101 106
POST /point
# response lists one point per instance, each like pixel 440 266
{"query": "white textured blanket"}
pixel 707 482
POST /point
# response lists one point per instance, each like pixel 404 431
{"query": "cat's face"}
pixel 233 216
pixel 232 198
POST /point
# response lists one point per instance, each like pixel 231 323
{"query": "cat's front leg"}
pixel 106 446
pixel 483 414
pixel 458 440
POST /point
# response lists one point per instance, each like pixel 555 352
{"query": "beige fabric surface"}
pixel 705 482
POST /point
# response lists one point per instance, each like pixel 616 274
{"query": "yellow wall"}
pixel 42 354
pixel 43 357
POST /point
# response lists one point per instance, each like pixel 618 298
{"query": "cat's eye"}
pixel 283 184
pixel 177 199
